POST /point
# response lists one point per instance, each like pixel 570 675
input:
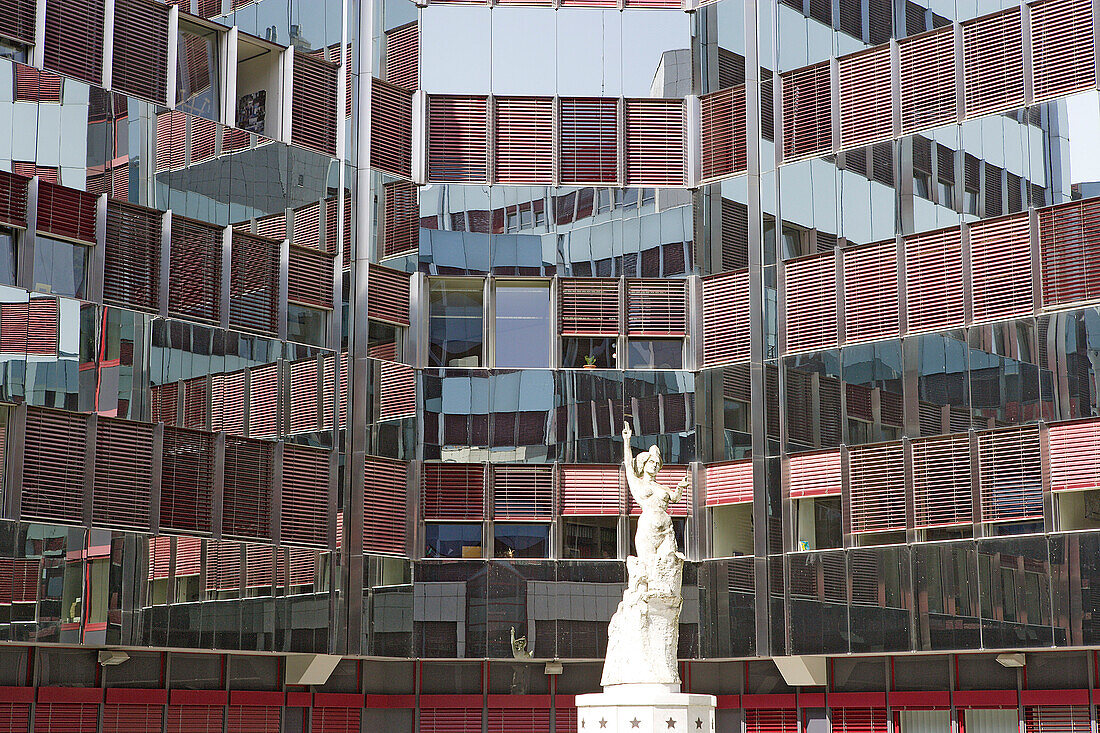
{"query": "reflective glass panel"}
pixel 522 324
pixel 59 267
pixel 455 323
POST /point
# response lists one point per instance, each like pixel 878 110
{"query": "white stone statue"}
pixel 643 633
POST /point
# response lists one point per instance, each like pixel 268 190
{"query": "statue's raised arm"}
pixel 634 482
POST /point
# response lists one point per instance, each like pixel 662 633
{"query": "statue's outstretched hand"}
pixel 627 432
pixel 684 483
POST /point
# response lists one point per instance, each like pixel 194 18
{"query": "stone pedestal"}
pixel 645 709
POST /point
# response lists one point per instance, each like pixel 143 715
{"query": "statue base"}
pixel 647 708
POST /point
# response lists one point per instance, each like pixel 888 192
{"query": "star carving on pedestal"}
pixel 671 723
pixel 603 722
pixel 635 723
pixel 582 722
pixel 699 723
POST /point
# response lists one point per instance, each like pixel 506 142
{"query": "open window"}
pixel 198 87
pixel 257 85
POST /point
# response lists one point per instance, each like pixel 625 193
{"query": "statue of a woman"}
pixel 654 525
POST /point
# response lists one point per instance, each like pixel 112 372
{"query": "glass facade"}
pixel 322 342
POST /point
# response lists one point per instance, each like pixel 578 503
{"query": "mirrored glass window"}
pixel 522 324
pixel 455 323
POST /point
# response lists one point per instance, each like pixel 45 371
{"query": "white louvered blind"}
pixel 811 303
pixel 523 492
pixel 871 292
pixel 1010 472
pixel 941 481
pixel 590 490
pixel 877 487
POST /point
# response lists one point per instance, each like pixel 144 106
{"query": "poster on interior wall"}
pixel 251 109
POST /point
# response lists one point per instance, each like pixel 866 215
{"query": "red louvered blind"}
pixel 263 401
pixel 656 308
pixel 1069 250
pixel 877 486
pixel 195 404
pixel 726 318
pixel 524 140
pixel 329 389
pixel 272 227
pixel 305 495
pixel 388 295
pixel 450 720
pixel 815 474
pixel 204 135
pixel 164 398
pixel 17 20
pixel 452 491
pixel 590 490
pixel 30 328
pixel 309 277
pixel 253 718
pixel 246 507
pixel 859 720
pixel 519 720
pixel 227 402
pixel 396 391
pixel 14 717
pixel 254 283
pixel 669 477
pixel 933 273
pixel 195 718
pixel 761 720
pixel 992 71
pixel 1057 719
pixel 1000 257
pixel 1063 57
pixel 66 212
pixel 123 474
pixel 171 140
pixel 865 114
pixel 391 129
pixel 305 397
pixel 457 139
pixel 307 228
pixel 187 481
pixel 34 85
pixel 870 292
pixel 53 466
pixel 195 270
pixel 941 481
pixel 1075 456
pixel 403 56
pixel 588 140
pixel 927 80
pixel 811 303
pixel 1010 473
pixel 385 494
pixel 807 112
pixel 139 54
pixel 74 39
pixel 66 717
pixel 131 258
pixel 223 566
pixel 722 140
pixel 729 483
pixel 13 199
pixel 588 307
pixel 313 115
pixel 401 219
pixel 523 492
pixel 131 718
pixel 653 135
pixel 335 720
pixel 26 168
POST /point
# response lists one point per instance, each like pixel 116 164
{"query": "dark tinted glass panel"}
pixel 590 538
pixel 656 354
pixel 453 540
pixel 305 325
pixel 455 323
pixel 521 540
pixel 7 257
pixel 580 352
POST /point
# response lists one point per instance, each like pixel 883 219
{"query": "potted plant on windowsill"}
pixel 590 362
